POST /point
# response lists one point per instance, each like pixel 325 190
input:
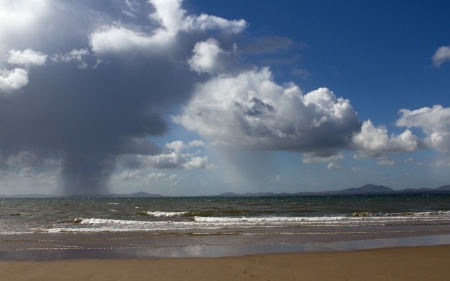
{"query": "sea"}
pixel 44 224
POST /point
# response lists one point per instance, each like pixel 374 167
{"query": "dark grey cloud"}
pixel 106 83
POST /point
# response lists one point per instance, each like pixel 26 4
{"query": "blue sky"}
pixel 203 97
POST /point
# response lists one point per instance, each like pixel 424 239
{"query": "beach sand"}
pixel 412 263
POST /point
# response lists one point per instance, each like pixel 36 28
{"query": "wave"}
pixel 403 214
pixel 214 223
pixel 21 214
pixel 159 214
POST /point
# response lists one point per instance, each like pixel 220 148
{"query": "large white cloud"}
pixel 170 18
pixel 374 141
pixel 434 122
pixel 250 110
pixel 441 55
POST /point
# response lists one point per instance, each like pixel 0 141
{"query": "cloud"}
pixel 276 179
pixel 27 57
pixel 91 118
pixel 172 158
pixel 11 80
pixel 357 170
pixel 385 161
pixel 77 56
pixel 312 158
pixel 24 159
pixel 208 57
pixel 27 180
pixel 434 122
pixel 412 161
pixel 19 19
pixel 150 178
pixel 196 163
pixel 441 55
pixel 333 166
pixel 205 22
pixel 250 110
pixel 172 20
pixel 374 141
pixel 177 146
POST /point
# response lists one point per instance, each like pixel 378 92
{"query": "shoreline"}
pixel 218 251
pixel 407 263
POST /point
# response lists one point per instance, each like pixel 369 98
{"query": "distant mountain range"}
pixel 368 189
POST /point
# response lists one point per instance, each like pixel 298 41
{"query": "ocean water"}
pixel 43 229
pixel 339 215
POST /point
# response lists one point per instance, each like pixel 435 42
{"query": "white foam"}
pixel 214 223
pixel 165 214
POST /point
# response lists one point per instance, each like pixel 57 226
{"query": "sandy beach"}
pixel 411 263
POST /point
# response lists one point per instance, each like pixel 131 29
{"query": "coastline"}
pixel 406 263
pixel 201 247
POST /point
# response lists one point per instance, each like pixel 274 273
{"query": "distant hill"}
pixel 368 189
pixel 371 188
pixel 140 194
pixel 444 187
pixel 365 189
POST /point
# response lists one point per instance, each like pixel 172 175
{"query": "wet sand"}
pixel 409 263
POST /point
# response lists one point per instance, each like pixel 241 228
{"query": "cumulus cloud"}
pixel 172 158
pixel 374 141
pixel 250 110
pixel 208 57
pixel 27 57
pixel 171 19
pixel 198 162
pixel 149 178
pixel 177 146
pixel 441 55
pixel 434 122
pixel 91 117
pixel 11 80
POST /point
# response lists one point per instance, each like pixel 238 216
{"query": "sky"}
pixel 201 97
